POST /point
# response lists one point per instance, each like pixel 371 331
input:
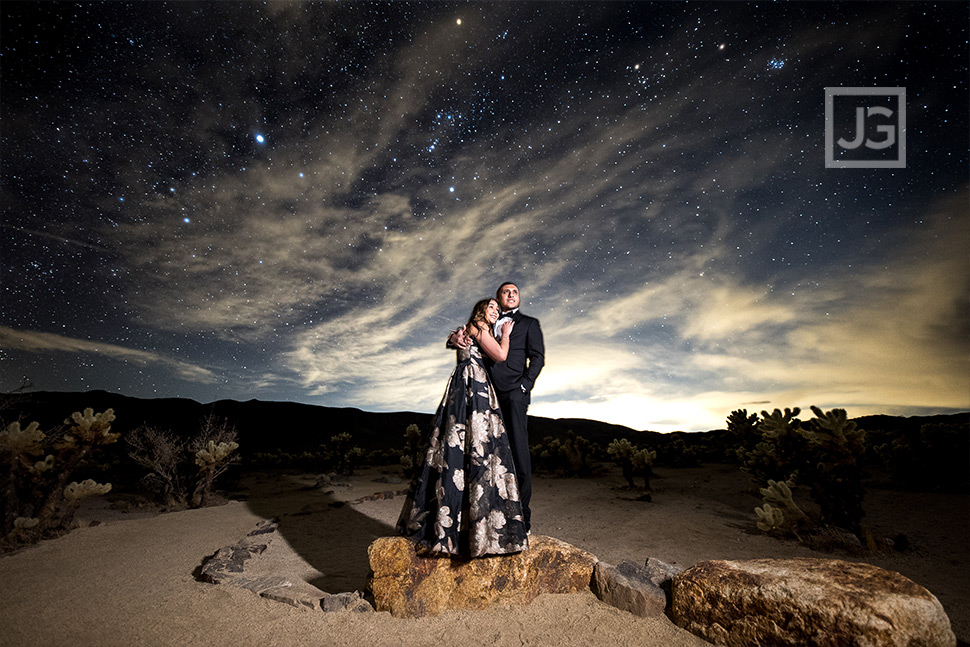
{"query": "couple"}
pixel 470 496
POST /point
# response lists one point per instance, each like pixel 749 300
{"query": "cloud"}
pixel 42 342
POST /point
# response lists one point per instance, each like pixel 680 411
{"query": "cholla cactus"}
pixel 214 454
pixel 34 498
pixel 779 452
pixel 15 440
pixel 91 428
pixel 770 518
pixel 42 466
pixel 836 448
pixel 786 515
pixel 621 451
pixel 86 488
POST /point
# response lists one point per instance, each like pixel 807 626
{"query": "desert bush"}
pixel 632 460
pixel 38 499
pixel 181 472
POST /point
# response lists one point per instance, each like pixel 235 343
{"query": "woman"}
pixel 464 499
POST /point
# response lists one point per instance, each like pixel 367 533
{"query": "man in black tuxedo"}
pixel 513 380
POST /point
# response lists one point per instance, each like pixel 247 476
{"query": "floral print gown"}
pixel 464 499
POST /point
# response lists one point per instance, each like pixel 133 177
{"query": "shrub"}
pixel 181 472
pixel 37 498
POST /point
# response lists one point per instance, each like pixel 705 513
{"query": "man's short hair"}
pixel 499 291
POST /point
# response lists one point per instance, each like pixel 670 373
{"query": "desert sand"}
pixel 129 579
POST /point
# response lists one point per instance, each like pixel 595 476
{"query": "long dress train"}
pixel 464 499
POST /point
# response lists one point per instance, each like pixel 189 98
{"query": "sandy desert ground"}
pixel 129 580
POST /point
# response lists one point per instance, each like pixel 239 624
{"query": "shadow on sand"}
pixel 325 531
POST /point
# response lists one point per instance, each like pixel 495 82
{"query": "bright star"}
pixel 260 139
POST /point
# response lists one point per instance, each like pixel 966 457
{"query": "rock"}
pixel 410 585
pixel 807 602
pixel 299 595
pixel 346 602
pixel 660 573
pixel 629 591
pixel 229 562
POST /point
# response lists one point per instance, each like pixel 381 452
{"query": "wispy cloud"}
pixel 41 342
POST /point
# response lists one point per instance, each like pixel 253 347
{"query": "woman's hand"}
pixel 507 328
pixel 460 339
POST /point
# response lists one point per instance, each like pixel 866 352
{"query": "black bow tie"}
pixel 507 314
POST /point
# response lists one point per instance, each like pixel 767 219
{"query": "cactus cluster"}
pixel 36 499
pixel 573 456
pixel 633 461
pixel 824 455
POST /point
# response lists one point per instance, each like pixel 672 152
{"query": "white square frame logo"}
pixel 894 136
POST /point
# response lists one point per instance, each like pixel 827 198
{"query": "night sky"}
pixel 291 201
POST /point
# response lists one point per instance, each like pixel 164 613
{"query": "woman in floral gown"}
pixel 464 499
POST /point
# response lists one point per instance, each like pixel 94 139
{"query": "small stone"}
pixel 345 602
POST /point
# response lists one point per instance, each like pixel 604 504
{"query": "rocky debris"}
pixel 229 562
pixel 628 589
pixel 410 585
pixel 807 601
pixel 346 602
pixel 325 481
pixel 380 496
pixel 233 566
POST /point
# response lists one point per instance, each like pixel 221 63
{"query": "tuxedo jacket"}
pixel 525 358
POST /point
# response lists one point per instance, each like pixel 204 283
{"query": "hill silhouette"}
pixel 266 426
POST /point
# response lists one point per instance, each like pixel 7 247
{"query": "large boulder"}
pixel 797 602
pixel 410 585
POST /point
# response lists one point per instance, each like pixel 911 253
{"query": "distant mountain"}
pixel 267 426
